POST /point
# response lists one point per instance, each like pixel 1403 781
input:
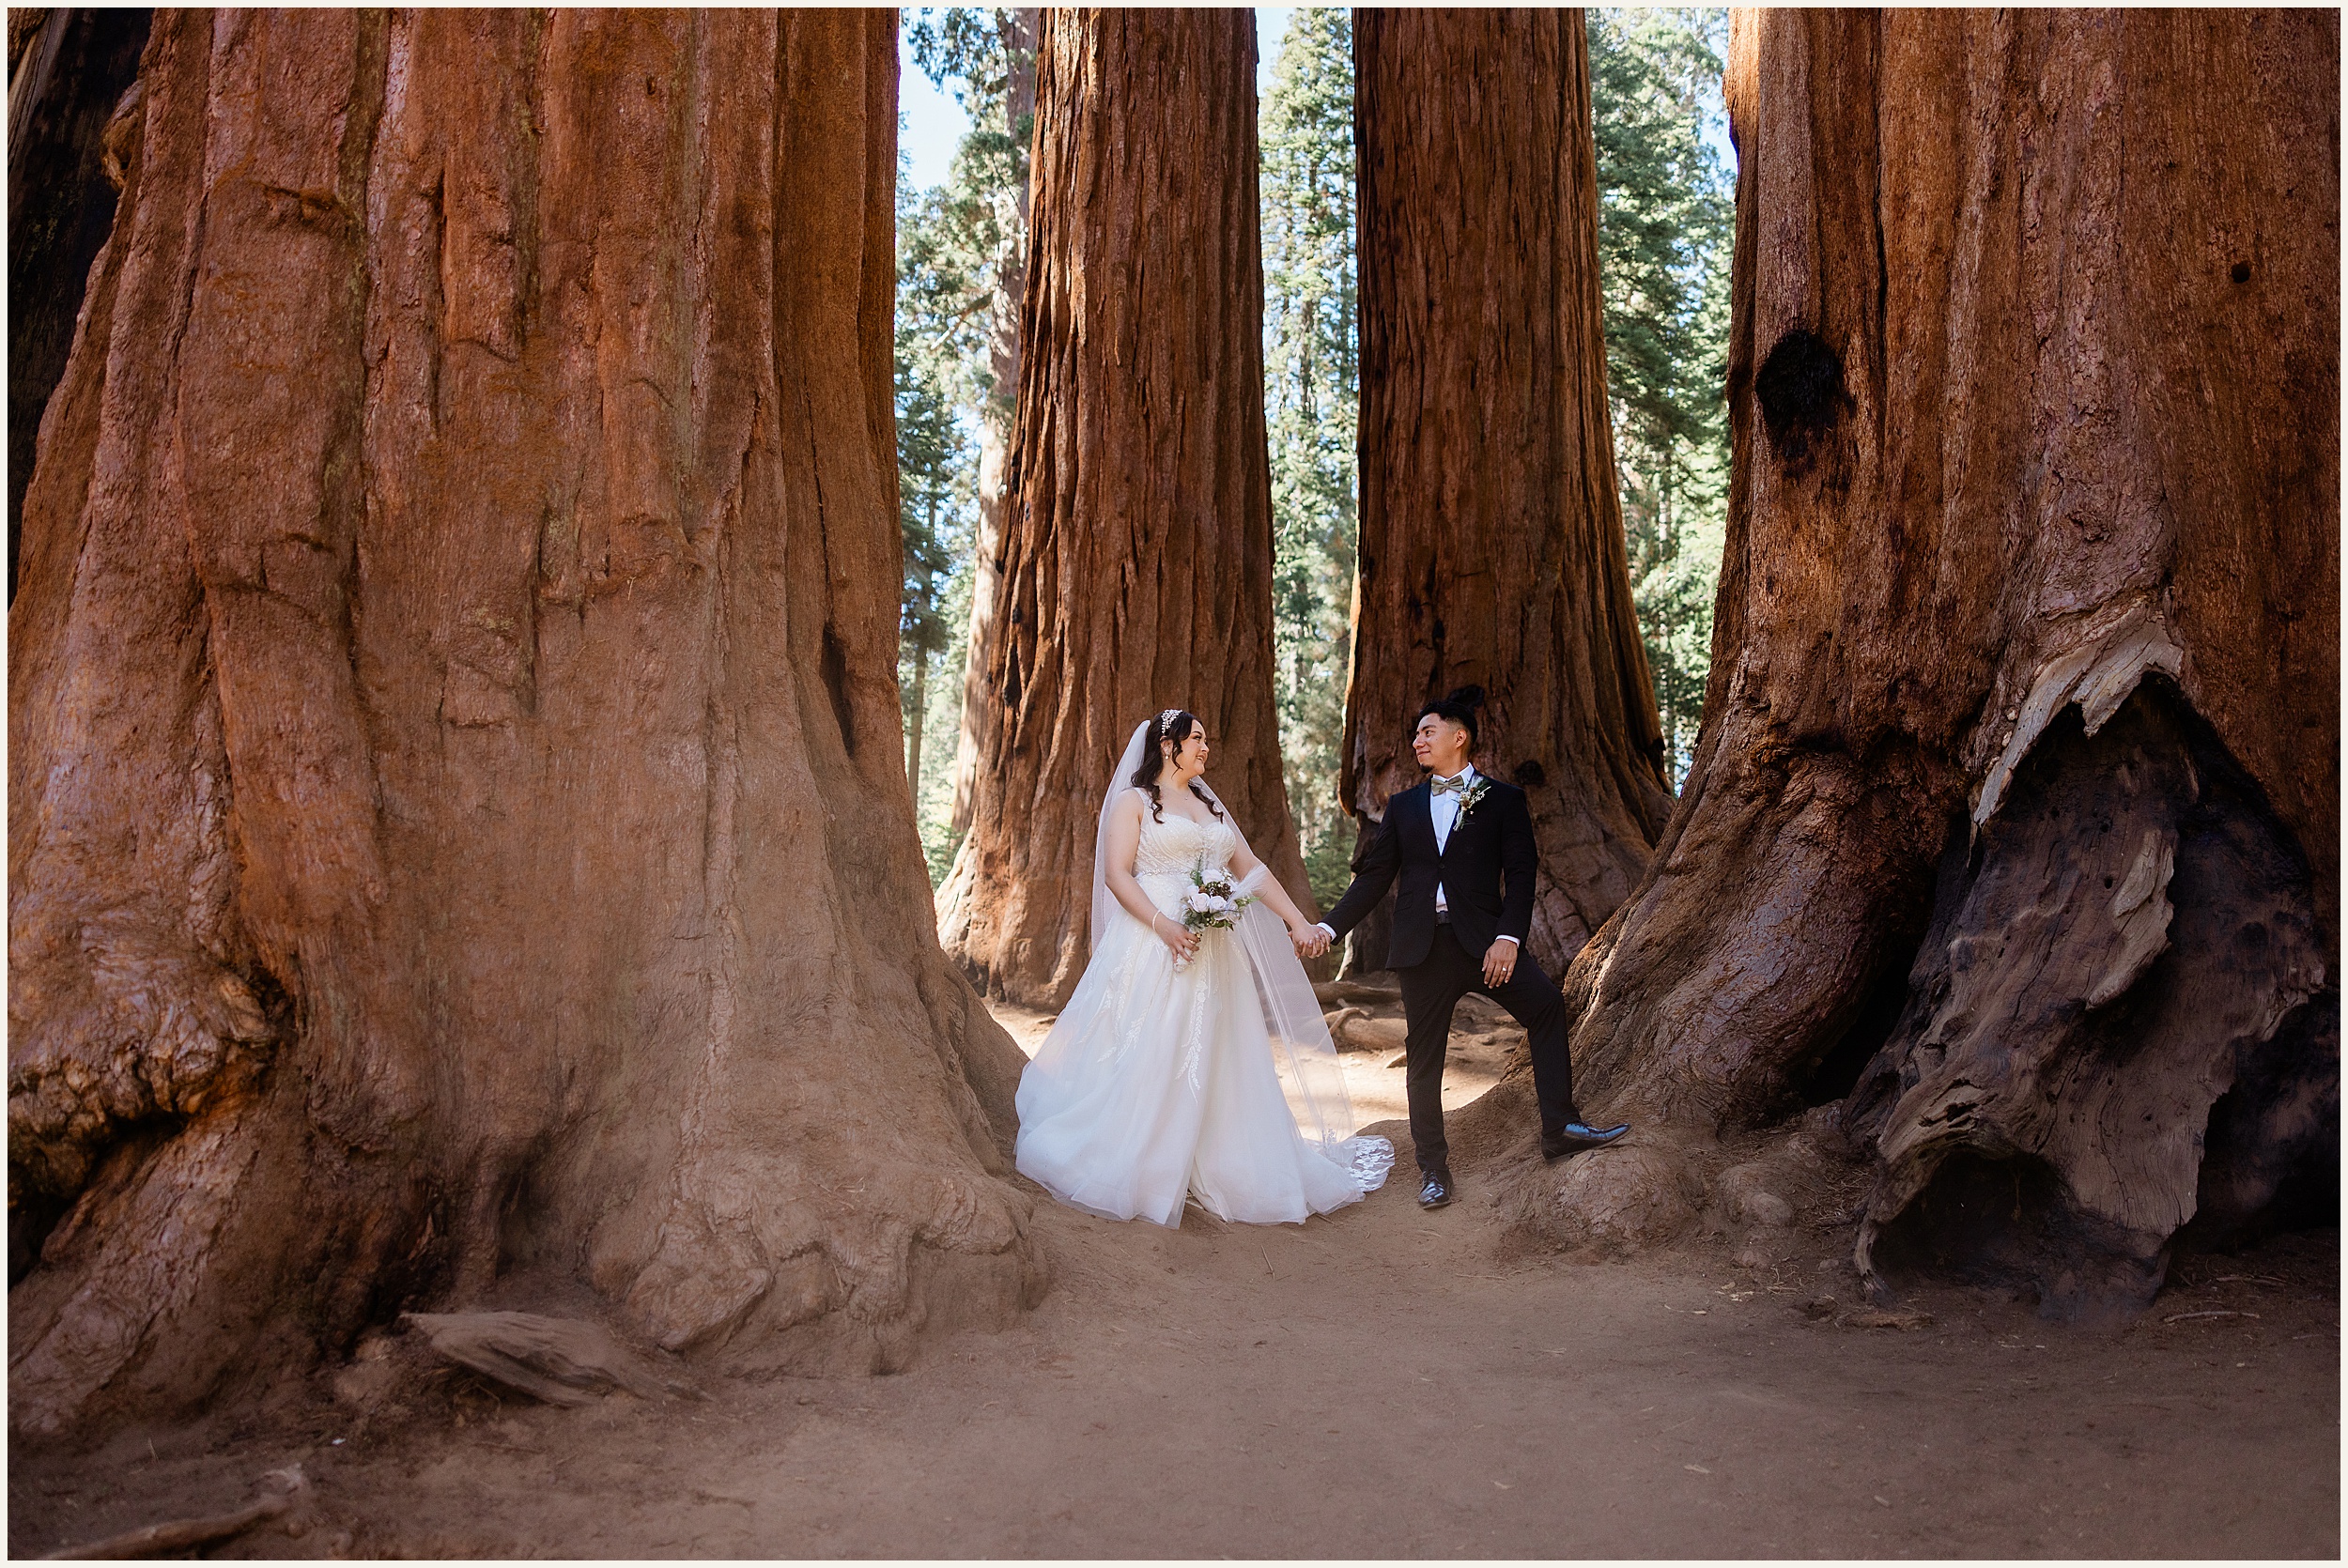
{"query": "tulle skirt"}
pixel 1157 1083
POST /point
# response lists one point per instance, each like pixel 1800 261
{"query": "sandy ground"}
pixel 1376 1383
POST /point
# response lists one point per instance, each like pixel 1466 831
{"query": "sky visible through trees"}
pixel 1666 191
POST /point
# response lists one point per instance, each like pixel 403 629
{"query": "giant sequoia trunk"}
pixel 1136 550
pixel 458 832
pixel 1492 543
pixel 2017 801
pixel 1017 27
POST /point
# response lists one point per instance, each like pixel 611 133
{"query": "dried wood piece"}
pixel 1871 1317
pixel 290 1487
pixel 2199 1316
pixel 1353 1030
pixel 1354 994
pixel 560 1361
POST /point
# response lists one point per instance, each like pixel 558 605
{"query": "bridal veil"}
pixel 1303 1054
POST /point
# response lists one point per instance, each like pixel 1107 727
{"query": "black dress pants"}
pixel 1430 992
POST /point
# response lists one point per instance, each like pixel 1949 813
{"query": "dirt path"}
pixel 1370 1385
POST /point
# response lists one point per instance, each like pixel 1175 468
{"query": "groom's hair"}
pixel 1459 707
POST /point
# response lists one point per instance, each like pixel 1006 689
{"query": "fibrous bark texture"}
pixel 1136 550
pixel 2018 774
pixel 69 69
pixel 1492 543
pixel 458 831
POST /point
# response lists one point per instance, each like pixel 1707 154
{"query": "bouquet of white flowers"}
pixel 1212 904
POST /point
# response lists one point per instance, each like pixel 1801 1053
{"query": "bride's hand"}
pixel 1310 941
pixel 1180 938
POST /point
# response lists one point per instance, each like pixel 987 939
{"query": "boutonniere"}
pixel 1471 797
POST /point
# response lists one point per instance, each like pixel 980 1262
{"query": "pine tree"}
pixel 1310 387
pixel 973 227
pixel 962 249
pixel 938 474
pixel 931 459
pixel 1667 217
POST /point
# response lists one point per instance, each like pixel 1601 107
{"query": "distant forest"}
pixel 1665 233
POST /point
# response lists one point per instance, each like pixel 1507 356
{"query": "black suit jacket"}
pixel 1486 870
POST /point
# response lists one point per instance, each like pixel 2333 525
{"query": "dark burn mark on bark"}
pixel 2270 1158
pixel 835 683
pixel 61 208
pixel 1800 387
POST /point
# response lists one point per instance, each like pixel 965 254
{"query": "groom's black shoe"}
pixel 1434 1191
pixel 1573 1138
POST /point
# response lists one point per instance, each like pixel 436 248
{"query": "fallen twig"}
pixel 180 1535
pixel 2191 1316
pixel 1871 1317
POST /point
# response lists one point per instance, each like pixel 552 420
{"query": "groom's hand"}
pixel 1311 942
pixel 1500 961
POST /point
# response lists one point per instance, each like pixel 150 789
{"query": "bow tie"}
pixel 1450 786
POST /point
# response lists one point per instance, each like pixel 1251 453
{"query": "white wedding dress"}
pixel 1159 1084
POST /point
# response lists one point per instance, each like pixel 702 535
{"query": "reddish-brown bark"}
pixel 2019 771
pixel 459 833
pixel 1491 542
pixel 1136 550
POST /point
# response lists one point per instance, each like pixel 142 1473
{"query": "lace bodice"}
pixel 1172 847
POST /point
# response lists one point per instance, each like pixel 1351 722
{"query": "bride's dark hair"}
pixel 1172 725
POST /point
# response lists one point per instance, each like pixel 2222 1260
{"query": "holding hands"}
pixel 1311 940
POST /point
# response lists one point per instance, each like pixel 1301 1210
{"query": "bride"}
pixel 1186 1060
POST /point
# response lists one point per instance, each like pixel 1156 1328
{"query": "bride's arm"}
pixel 1245 865
pixel 1124 843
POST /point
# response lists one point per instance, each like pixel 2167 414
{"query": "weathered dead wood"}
pixel 1338 992
pixel 557 1360
pixel 290 1491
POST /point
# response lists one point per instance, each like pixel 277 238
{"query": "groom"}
pixel 1453 840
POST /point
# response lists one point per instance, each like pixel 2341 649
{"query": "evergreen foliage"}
pixel 938 501
pixel 929 453
pixel 1666 226
pixel 1306 129
pixel 1665 229
pixel 954 242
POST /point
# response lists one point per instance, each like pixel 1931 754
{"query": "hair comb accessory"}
pixel 1168 717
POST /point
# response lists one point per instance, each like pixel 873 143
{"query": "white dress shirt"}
pixel 1443 810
